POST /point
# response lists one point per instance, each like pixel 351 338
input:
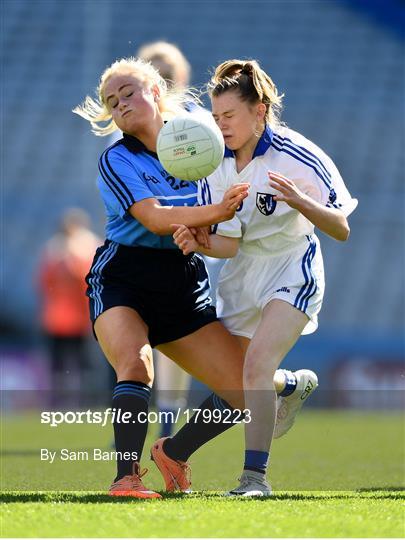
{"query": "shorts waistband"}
pixel 151 253
pixel 258 251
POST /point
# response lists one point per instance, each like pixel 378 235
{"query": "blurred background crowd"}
pixel 340 64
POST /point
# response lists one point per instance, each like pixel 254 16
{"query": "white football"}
pixel 190 147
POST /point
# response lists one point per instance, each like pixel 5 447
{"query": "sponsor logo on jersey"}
pixel 265 203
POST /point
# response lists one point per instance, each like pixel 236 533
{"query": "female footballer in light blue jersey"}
pixel 271 288
pixel 143 291
pixel 171 382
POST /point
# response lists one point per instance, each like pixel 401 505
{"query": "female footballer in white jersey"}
pixel 271 289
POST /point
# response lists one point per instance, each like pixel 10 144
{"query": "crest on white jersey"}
pixel 265 203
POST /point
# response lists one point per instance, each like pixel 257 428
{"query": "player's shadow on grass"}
pixel 67 497
pixel 85 497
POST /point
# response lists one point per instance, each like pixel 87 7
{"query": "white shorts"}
pixel 247 283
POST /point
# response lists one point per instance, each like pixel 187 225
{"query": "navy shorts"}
pixel 169 290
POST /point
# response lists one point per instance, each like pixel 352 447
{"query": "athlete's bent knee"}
pixel 138 367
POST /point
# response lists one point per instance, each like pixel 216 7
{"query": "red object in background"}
pixel 64 314
pixel 64 304
pixel 65 262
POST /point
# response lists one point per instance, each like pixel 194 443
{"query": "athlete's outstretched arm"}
pixel 159 219
pixel 331 221
pixel 221 247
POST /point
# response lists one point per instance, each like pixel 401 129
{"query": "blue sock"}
pixel 256 460
pixel 290 383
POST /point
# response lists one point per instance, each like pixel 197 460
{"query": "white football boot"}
pixel 288 407
pixel 252 484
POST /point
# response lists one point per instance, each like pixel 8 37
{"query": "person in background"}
pixel 64 263
pixel 171 63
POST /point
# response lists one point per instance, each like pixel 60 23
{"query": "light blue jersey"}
pixel 130 173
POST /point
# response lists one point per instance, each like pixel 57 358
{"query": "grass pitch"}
pixel 336 474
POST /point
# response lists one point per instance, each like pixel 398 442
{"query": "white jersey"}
pixel 264 225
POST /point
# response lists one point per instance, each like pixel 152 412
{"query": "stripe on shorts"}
pixel 95 282
pixel 310 285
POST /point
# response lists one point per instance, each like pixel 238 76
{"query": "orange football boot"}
pixel 176 474
pixel 131 485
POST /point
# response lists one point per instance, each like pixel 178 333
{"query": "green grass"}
pixel 377 514
pixel 336 474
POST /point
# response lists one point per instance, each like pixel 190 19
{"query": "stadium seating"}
pixel 341 73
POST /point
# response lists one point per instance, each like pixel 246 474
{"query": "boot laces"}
pixel 133 480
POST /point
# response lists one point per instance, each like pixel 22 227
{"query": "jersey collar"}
pixel 135 145
pixel 263 144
